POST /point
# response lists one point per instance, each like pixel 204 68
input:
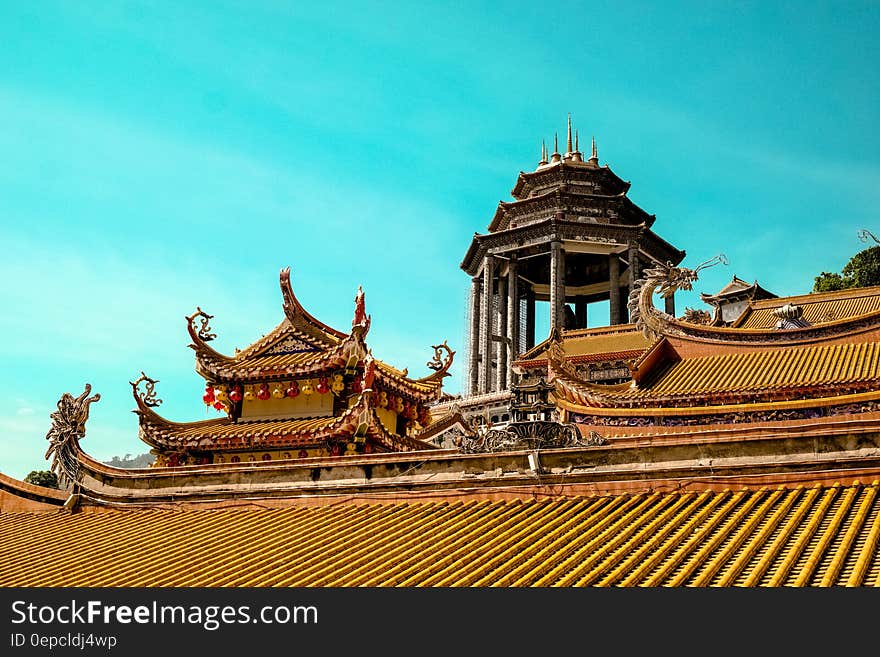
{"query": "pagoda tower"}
pixel 570 236
pixel 303 390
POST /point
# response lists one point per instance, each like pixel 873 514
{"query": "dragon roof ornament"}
pixel 664 279
pixel 68 428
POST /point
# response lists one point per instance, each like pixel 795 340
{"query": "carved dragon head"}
pixel 68 426
pixel 665 280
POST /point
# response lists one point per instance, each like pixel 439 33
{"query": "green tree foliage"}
pixel 45 478
pixel 862 270
pixel 129 461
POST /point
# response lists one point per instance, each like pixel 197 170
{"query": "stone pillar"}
pixel 634 274
pixel 486 328
pixel 580 312
pixel 557 285
pixel 474 371
pixel 530 318
pixel 501 372
pixel 670 305
pixel 634 268
pixel 614 291
pixel 512 317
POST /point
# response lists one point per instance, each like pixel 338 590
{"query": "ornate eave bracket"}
pixel 146 398
pixel 198 325
pixel 440 363
pixel 68 428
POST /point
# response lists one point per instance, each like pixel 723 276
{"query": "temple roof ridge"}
pixel 738 287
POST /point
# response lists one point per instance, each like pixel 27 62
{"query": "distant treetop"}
pixel 862 270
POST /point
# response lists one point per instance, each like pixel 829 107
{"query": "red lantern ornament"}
pixel 423 416
pixel 323 387
pixel 406 409
pixel 356 386
pixel 208 397
pixel 292 389
pixel 236 395
pixel 219 405
pixel 263 393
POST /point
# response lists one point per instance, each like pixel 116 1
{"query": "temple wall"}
pixel 314 405
pixel 19 496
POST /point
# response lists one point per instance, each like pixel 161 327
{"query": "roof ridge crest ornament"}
pixel 68 428
pixel 438 363
pixel 361 320
pixel 664 279
pixel 146 397
pixel 203 332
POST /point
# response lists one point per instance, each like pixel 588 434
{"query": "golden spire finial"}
pixel 594 157
pixel 543 153
pixel 556 157
pixel 568 150
pixel 576 145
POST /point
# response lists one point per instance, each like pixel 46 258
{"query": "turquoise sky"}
pixel 159 156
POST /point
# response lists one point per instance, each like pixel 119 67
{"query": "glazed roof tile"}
pixel 817 308
pixel 824 365
pixel 263 431
pixel 613 343
pixel 821 536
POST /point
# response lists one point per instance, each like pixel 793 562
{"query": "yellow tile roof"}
pixel 587 342
pixel 225 429
pixel 822 536
pixel 818 308
pixel 270 365
pixel 399 380
pixel 789 367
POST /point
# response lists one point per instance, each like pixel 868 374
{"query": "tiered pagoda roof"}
pixel 567 195
pixel 256 387
pixel 735 290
